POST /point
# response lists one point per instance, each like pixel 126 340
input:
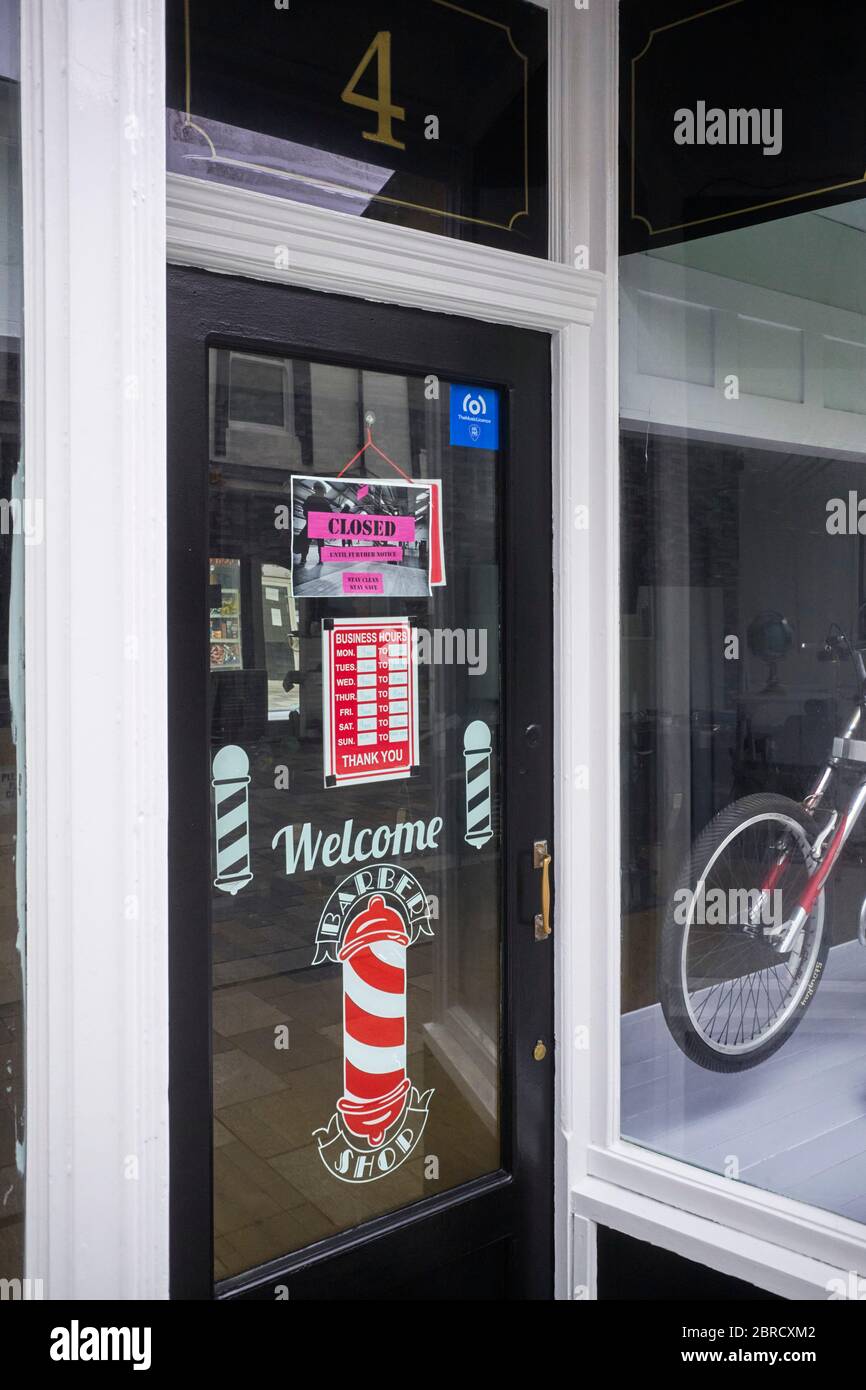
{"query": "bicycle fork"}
pixel 821 865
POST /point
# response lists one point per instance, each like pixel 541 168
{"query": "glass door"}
pixel 369 768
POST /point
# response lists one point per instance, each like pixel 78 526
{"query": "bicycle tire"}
pixel 673 990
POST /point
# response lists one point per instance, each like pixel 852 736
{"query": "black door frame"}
pixel 514 1206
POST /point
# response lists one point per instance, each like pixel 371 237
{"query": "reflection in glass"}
pixel 226 651
pixel 282 643
pixel 743 583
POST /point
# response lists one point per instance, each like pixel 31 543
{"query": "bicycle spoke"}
pixel 738 986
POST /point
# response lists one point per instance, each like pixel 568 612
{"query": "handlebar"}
pixel 838 647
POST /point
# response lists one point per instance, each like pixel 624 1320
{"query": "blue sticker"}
pixel 475 417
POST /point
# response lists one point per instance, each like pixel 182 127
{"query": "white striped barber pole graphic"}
pixel 478 754
pixel 230 781
pixel 369 923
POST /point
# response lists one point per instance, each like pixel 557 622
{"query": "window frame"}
pixel 780 1244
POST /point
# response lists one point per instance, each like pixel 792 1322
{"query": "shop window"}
pixel 431 115
pixel 743 597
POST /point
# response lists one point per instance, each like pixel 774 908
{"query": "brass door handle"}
pixel 542 859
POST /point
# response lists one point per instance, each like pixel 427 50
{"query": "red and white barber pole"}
pixel 368 925
pixel 374 1021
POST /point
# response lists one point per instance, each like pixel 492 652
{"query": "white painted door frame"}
pixel 92 91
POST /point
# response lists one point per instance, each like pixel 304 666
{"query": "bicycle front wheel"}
pixel 730 997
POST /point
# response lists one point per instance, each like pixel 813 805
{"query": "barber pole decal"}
pixel 478 756
pixel 369 923
pixel 230 781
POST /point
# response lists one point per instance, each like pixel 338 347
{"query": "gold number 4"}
pixel 380 48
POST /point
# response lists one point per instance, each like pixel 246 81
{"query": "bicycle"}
pixel 747 930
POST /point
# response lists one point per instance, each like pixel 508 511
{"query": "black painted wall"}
pixel 634 1270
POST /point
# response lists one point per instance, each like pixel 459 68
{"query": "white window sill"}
pixel 746 1257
